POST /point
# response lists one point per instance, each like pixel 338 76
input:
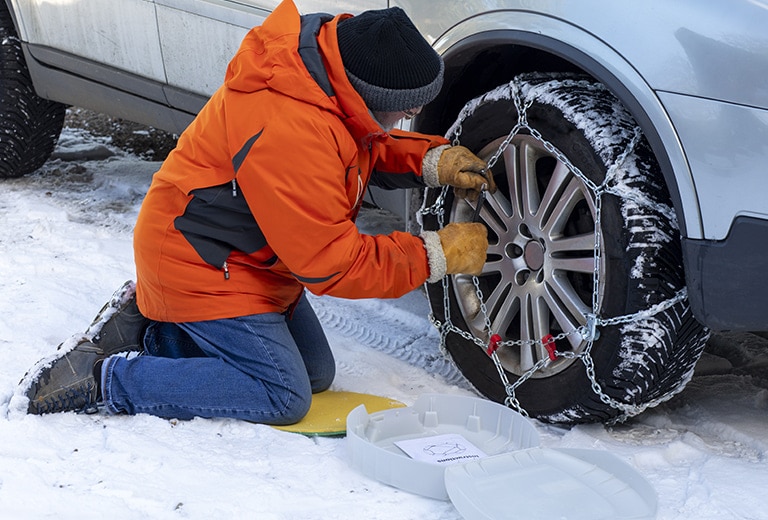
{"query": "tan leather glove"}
pixel 465 245
pixel 465 171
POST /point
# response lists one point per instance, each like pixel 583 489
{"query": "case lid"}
pixel 487 459
pixel 550 483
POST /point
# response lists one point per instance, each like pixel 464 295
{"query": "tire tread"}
pixel 29 125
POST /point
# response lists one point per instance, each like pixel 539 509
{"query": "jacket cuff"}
pixel 429 166
pixel 435 256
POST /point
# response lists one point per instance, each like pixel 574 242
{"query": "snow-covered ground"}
pixel 65 246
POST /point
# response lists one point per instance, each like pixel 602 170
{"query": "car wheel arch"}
pixel 492 41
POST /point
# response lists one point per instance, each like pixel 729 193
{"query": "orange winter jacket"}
pixel 258 199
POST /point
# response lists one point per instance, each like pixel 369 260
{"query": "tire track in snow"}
pixel 388 329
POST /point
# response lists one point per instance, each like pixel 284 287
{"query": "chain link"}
pixel 588 332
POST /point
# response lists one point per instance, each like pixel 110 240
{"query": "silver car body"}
pixel 693 73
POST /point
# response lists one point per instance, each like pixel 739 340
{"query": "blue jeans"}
pixel 262 368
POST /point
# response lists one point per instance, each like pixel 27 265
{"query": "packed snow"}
pixel 65 246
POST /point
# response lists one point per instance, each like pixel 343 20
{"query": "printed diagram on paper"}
pixel 444 449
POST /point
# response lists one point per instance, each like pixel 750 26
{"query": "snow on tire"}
pixel 541 273
pixel 29 125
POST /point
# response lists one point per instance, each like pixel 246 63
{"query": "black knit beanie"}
pixel 388 61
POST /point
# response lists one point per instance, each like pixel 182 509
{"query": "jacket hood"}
pixel 269 57
pixel 298 56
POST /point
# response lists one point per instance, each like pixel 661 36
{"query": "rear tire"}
pixel 29 125
pixel 539 276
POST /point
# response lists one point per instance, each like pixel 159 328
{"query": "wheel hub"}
pixel 534 255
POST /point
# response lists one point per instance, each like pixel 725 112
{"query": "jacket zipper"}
pixel 359 197
pixel 359 188
pixel 225 266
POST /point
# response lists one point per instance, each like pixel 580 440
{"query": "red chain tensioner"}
pixel 549 343
pixel 493 344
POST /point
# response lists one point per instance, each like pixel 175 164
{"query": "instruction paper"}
pixel 448 448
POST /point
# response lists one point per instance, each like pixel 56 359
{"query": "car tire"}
pixel 540 274
pixel 29 125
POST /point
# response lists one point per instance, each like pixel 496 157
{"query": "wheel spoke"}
pixel 577 243
pixel 567 321
pixel 509 310
pixel 565 298
pixel 539 318
pixel 493 266
pixel 511 158
pixel 553 224
pixel 499 294
pixel 527 352
pixel 552 196
pixel 495 213
pixel 499 205
pixel 529 191
pixel 584 264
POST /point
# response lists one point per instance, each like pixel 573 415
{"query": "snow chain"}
pixel 590 331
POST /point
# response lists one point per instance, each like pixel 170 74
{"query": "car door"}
pixel 119 33
pixel 199 37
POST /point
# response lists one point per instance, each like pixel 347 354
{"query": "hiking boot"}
pixel 70 383
pixel 119 326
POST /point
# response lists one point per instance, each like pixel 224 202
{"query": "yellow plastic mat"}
pixel 328 413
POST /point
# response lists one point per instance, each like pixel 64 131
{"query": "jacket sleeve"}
pixel 399 159
pixel 302 187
